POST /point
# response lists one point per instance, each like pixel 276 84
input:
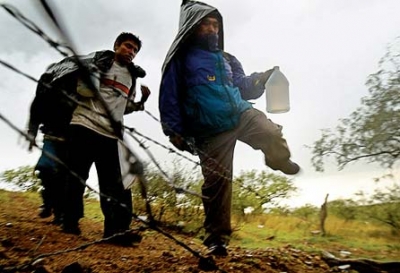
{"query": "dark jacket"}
pixel 54 103
pixel 203 92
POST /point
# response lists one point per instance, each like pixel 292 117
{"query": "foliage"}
pixel 384 206
pixel 346 209
pixel 372 131
pixel 266 230
pixel 164 199
pixel 255 190
pixel 250 189
pixel 23 177
pixel 306 212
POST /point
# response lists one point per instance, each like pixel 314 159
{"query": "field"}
pixel 260 244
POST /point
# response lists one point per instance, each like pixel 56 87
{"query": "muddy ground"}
pixel 31 244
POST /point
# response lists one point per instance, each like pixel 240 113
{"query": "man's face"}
pixel 126 52
pixel 208 25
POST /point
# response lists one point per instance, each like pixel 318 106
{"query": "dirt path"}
pixel 24 237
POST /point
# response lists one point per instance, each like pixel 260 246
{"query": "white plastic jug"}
pixel 277 92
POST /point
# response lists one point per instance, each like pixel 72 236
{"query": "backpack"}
pixel 53 104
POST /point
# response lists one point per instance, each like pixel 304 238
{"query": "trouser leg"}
pixel 216 158
pixel 80 159
pixel 46 193
pixel 59 193
pixel 47 167
pixel 47 206
pixel 117 210
pixel 261 133
pixel 59 180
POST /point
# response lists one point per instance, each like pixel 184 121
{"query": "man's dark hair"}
pixel 125 36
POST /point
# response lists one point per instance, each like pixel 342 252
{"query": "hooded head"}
pixel 191 15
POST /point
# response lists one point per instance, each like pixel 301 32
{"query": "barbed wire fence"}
pixel 204 261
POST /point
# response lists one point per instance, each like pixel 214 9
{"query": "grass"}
pixel 366 240
pixel 369 240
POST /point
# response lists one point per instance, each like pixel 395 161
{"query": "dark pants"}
pixel 53 175
pixel 85 148
pixel 216 159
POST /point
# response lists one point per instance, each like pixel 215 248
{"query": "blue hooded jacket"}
pixel 203 92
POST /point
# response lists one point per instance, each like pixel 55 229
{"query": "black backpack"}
pixel 53 104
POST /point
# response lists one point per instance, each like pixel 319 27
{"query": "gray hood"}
pixel 192 12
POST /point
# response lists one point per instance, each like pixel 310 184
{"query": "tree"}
pixel 167 203
pixel 252 189
pixel 384 206
pixel 23 177
pixel 348 209
pixel 307 212
pixel 372 132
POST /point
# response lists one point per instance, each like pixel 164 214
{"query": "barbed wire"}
pixel 149 224
pixel 177 189
pixel 29 24
pixel 37 30
pixel 88 78
pixel 34 28
pixel 65 93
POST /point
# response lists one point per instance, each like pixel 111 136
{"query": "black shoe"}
pixel 217 250
pixel 134 237
pixel 290 168
pixel 45 212
pixel 57 221
pixel 71 229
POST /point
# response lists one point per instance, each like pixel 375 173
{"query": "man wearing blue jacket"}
pixel 203 97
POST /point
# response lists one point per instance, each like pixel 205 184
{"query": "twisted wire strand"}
pixel 65 93
pixel 58 160
pixel 149 224
pixel 51 14
pixel 34 28
pixel 169 180
pixel 116 125
pixel 198 151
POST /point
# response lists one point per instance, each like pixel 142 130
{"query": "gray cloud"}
pixel 326 49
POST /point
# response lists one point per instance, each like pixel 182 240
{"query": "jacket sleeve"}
pixel 170 99
pixel 34 117
pixel 36 113
pixel 250 87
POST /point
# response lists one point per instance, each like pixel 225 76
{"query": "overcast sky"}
pixel 326 49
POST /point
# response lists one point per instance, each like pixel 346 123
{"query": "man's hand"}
pixel 181 144
pixel 145 93
pixel 265 76
pixel 32 140
pixel 138 106
pixel 177 141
